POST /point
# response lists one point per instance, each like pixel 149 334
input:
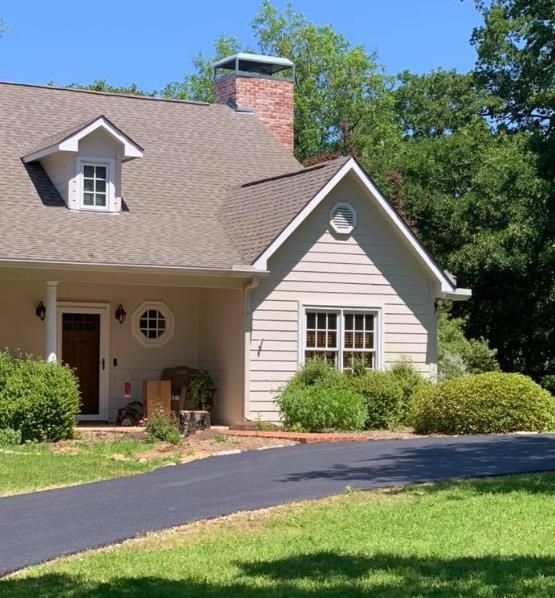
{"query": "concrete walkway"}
pixel 43 525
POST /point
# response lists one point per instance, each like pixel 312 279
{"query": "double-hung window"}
pixel 95 188
pixel 341 336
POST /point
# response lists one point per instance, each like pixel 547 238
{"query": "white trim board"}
pixel 71 142
pixel 446 288
pixel 103 310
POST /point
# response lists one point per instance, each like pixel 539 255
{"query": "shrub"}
pixel 458 355
pixel 9 437
pixel 321 406
pixel 493 402
pixel 161 427
pixel 410 381
pixel 38 399
pixel 383 396
pixel 314 371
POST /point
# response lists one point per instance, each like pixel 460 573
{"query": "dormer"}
pixel 84 164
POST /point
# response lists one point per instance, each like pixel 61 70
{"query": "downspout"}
pixel 247 329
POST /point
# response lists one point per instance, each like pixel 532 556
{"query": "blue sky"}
pixel 152 43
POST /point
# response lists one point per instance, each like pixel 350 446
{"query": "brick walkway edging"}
pixel 302 437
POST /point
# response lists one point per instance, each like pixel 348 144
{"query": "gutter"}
pixel 240 270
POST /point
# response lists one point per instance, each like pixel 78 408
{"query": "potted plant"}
pixel 201 390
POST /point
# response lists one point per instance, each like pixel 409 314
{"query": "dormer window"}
pixel 95 185
pixel 85 164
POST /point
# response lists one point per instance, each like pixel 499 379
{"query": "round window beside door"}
pixel 152 324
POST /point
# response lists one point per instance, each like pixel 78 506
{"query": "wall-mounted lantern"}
pixel 120 314
pixel 40 311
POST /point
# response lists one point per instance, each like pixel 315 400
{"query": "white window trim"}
pixel 168 315
pixel 376 311
pixel 110 165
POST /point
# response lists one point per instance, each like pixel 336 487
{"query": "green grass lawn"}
pixel 38 466
pixel 492 537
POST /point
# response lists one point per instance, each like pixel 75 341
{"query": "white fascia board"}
pixel 71 144
pixel 351 165
pixel 459 295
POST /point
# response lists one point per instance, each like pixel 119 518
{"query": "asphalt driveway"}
pixel 40 526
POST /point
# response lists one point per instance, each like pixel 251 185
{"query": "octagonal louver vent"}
pixel 343 218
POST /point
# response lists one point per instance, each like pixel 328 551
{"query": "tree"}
pixel 339 89
pixel 199 85
pixel 102 85
pixel 516 59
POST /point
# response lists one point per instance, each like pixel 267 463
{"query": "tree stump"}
pixel 193 421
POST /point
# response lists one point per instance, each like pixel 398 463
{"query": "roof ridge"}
pixel 294 173
pixel 129 96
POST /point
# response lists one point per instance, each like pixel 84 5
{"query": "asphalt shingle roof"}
pixel 177 197
pixel 255 213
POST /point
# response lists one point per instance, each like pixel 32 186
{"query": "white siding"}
pixel 372 268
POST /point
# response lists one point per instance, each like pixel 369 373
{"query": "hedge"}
pixel 321 406
pixel 383 395
pixel 492 402
pixel 40 400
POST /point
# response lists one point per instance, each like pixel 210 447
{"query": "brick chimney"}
pixel 262 84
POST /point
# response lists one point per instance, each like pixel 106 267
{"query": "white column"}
pixel 51 320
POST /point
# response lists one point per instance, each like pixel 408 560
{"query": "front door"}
pixel 81 350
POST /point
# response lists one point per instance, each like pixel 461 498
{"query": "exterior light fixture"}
pixel 40 311
pixel 120 314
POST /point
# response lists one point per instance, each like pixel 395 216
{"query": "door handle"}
pixel 103 363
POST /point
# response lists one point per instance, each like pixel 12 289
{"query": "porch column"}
pixel 50 320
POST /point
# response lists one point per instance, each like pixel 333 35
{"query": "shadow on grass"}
pixel 443 459
pixel 323 574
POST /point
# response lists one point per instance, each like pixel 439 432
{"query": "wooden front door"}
pixel 81 350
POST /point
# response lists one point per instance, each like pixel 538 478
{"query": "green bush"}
pixel 493 402
pixel 321 406
pixel 164 428
pixel 315 371
pixel 9 437
pixel 383 396
pixel 38 399
pixel 410 381
pixel 457 355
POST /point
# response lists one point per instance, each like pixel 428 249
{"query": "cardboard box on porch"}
pixel 157 396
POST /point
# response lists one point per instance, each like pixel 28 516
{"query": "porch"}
pixel 121 327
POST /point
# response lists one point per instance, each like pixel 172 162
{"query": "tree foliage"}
pixel 102 85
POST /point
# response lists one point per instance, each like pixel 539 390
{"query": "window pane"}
pixel 88 199
pixel 321 320
pixel 152 313
pixel 321 339
pixel 332 321
pixel 162 324
pixel 369 340
pixel 100 186
pixel 101 172
pixel 369 321
pixel 348 340
pixel 310 339
pixel 332 339
pixel 359 340
pixel 88 171
pixel 348 321
pixel 100 199
pixel 359 319
pixel 88 185
pixel 311 320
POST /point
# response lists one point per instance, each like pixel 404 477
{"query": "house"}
pixel 138 234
